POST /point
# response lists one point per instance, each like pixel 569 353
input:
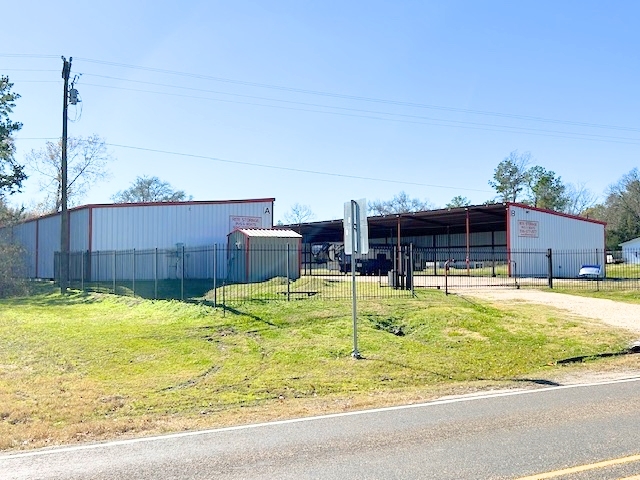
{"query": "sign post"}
pixel 356 240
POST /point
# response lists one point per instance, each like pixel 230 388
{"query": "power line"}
pixel 431 121
pixel 291 169
pixel 359 98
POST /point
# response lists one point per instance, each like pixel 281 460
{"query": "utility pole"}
pixel 64 219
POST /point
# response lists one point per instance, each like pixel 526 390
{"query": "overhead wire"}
pixel 291 169
pixel 356 97
pixel 431 121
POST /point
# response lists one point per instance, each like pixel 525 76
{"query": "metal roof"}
pixel 265 232
pixel 482 218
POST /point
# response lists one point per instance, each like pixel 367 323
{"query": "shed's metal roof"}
pixel 266 232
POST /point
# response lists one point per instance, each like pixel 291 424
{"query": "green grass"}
pixel 89 366
pixel 623 270
pixel 627 296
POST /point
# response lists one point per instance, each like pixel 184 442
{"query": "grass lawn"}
pixel 628 296
pixel 94 366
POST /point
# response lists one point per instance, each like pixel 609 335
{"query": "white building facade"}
pixel 574 241
pixel 95 229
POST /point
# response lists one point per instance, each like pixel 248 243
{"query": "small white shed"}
pixel 631 251
pixel 259 254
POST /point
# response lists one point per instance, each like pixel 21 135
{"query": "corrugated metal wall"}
pixel 142 227
pixel 165 226
pixel 25 235
pixel 531 229
pixel 78 230
pixel 256 259
pixel 48 244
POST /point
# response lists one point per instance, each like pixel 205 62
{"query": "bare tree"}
pixel 579 198
pixel 400 203
pixel 150 189
pixel 87 160
pixel 299 214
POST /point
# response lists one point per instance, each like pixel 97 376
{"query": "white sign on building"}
pixel 528 228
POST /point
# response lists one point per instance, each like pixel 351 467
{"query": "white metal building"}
pixel 139 226
pixel 574 241
pixel 631 250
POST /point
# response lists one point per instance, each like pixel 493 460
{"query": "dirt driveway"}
pixel 619 314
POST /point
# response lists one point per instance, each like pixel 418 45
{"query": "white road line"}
pixel 446 401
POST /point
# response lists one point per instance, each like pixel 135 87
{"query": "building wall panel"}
pixel 532 230
pixel 25 235
pixel 48 244
pixel 78 230
pixel 167 226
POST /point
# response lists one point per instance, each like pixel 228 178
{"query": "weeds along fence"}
pixel 225 274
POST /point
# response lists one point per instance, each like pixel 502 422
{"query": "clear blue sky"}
pixel 445 91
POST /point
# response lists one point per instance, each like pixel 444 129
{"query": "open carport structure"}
pixel 513 236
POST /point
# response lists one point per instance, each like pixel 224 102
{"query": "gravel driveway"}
pixel 619 314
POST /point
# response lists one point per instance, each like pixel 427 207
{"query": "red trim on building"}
pixel 559 214
pixel 156 204
pixel 191 202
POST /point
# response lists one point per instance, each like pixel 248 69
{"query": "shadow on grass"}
pixel 582 358
pixel 49 296
pixel 537 381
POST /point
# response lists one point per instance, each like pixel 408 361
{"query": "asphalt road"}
pixel 499 435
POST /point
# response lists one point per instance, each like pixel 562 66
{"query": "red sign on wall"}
pixel 528 228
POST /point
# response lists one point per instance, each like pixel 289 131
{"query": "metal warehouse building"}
pixel 139 226
pixel 513 234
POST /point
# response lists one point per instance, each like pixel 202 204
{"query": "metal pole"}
pixel 133 283
pixel 399 255
pixel 354 231
pixel 114 272
pixel 155 273
pixel 182 276
pixel 82 272
pixel 288 281
pixel 468 248
pixel 64 216
pixel 215 275
pixel 411 264
pixel 550 268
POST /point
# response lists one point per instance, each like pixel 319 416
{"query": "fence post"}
pixel 82 272
pixel 133 283
pixel 550 268
pixel 155 273
pixel 182 276
pixel 215 275
pixel 114 272
pixel 411 264
pixel 288 281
